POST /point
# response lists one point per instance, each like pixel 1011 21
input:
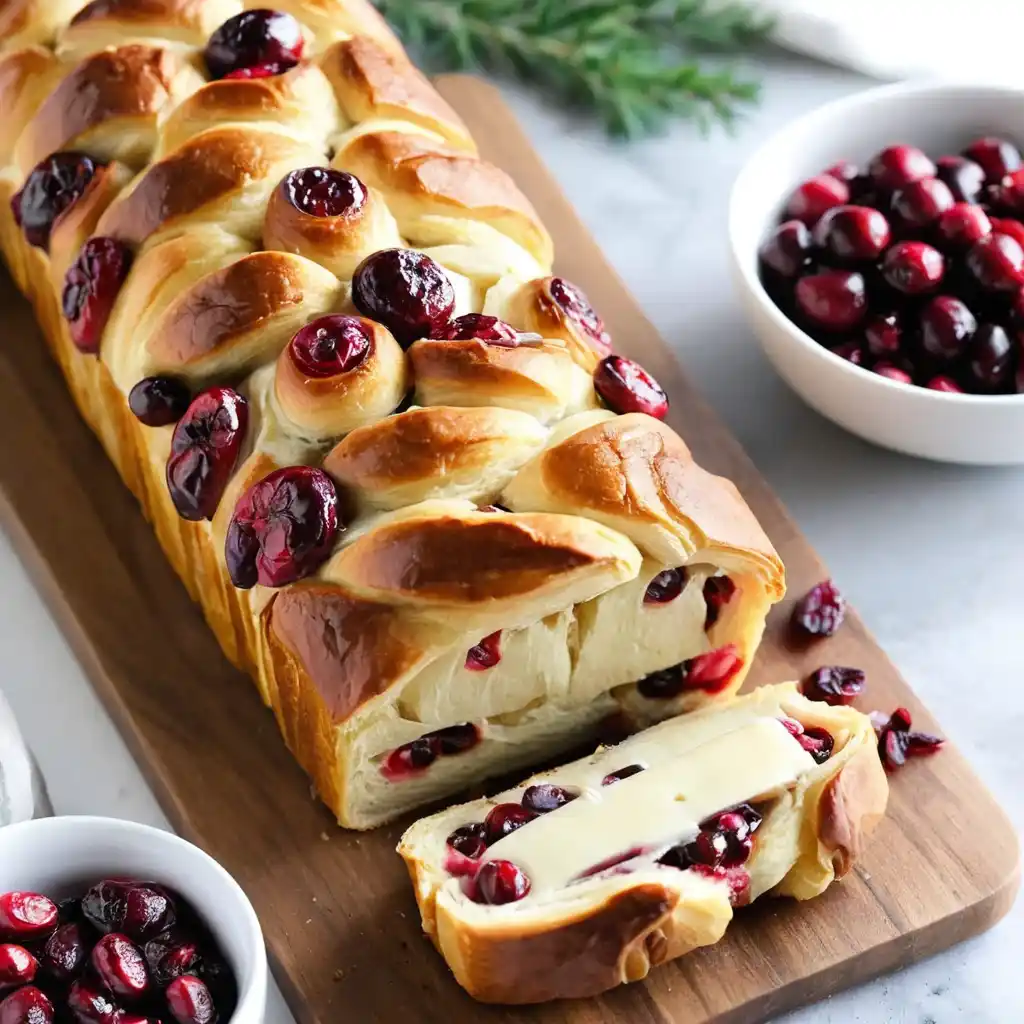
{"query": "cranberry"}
pixel 469 840
pixel 844 170
pixel 410 758
pixel 484 328
pixel 65 952
pixel 736 878
pixel 1009 193
pixel 614 861
pixel 170 955
pixel 622 773
pixel 835 300
pixel 189 1001
pixel 504 819
pixel 259 71
pixel 991 357
pixel 666 586
pixel 897 166
pixel 856 233
pixel 964 177
pixel 811 200
pixel 786 252
pixel 283 528
pixel 52 186
pixel 91 286
pixel 330 346
pixel 17 965
pixel 499 882
pixel 138 909
pixel 710 672
pixel 545 797
pixel 159 401
pixel 262 38
pixel 119 964
pixel 943 383
pixel 947 327
pixel 913 268
pixel 204 451
pixel 995 156
pixel 625 386
pixel 406 291
pixel 576 306
pixel 324 192
pixel 893 372
pixel 962 225
pixel 485 654
pixel 834 684
pixel 90 1004
pixel 920 203
pixel 1007 226
pixel 26 915
pixel 997 263
pixel 27 1005
pixel 851 351
pixel 883 335
pixel 718 592
pixel 820 612
pixel 455 739
pixel 816 741
pixel 897 742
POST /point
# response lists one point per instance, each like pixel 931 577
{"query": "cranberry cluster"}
pixel 125 952
pixel 711 672
pixel 911 268
pixel 410 759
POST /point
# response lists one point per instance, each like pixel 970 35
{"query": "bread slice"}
pixel 639 853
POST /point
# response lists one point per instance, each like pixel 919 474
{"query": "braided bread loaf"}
pixel 318 336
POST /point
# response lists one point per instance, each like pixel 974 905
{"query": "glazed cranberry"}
pixel 947 327
pixel 892 372
pixel 854 233
pixel 920 203
pixel 204 450
pixel 410 758
pixel 469 840
pixel 17 965
pixel 851 351
pixel 119 964
pixel 170 955
pixel 504 819
pixel 455 739
pixel 820 612
pixel 189 1001
pixel 89 1004
pixel 710 672
pixel 406 291
pixel 913 268
pixel 575 304
pixel 65 952
pixel 897 742
pixel 91 286
pixel 991 357
pixel 1007 226
pixel 159 401
pixel 897 166
pixel 883 335
pixel 52 186
pixel 963 177
pixel 27 1005
pixel 962 225
pixel 625 386
pixel 997 263
pixel 485 654
pixel 726 839
pixel 138 909
pixel 499 882
pixel 818 743
pixel 324 192
pixel 666 586
pixel 943 383
pixel 835 300
pixel 995 156
pixel 844 170
pixel 834 684
pixel 262 38
pixel 331 345
pixel 26 915
pixel 484 328
pixel 545 797
pixel 786 252
pixel 622 773
pixel 718 592
pixel 811 200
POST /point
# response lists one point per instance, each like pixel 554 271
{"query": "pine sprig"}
pixel 632 63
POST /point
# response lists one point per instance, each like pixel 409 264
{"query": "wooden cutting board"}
pixel 338 913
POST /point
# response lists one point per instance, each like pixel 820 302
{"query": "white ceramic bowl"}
pixel 940 118
pixel 61 856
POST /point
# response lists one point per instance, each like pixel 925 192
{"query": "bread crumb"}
pixel 325 837
pixel 339 974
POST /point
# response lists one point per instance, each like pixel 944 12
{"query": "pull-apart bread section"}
pixel 396 458
pixel 587 876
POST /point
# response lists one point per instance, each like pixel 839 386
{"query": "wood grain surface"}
pixel 338 913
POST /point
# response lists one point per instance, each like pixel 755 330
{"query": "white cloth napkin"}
pixel 963 40
pixel 22 791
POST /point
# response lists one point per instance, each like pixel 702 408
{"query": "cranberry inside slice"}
pixel 469 840
pixel 52 186
pixel 575 304
pixel 324 192
pixel 415 757
pixel 504 819
pixel 499 882
pixel 718 592
pixel 625 386
pixel 711 672
pixel 820 612
pixel 545 797
pixel 91 286
pixel 622 773
pixel 159 401
pixel 616 860
pixel 483 328
pixel 330 346
pixel 666 586
pixel 485 654
pixel 262 38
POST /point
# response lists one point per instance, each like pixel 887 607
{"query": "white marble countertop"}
pixel 891 528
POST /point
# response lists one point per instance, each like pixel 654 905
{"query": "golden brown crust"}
pixel 338 19
pixel 27 77
pixel 107 22
pixel 25 22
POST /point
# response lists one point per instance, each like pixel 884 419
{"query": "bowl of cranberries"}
pixel 110 922
pixel 878 247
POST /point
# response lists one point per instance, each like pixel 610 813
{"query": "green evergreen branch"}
pixel 632 63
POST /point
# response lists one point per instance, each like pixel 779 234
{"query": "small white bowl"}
pixel 61 856
pixel 940 118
